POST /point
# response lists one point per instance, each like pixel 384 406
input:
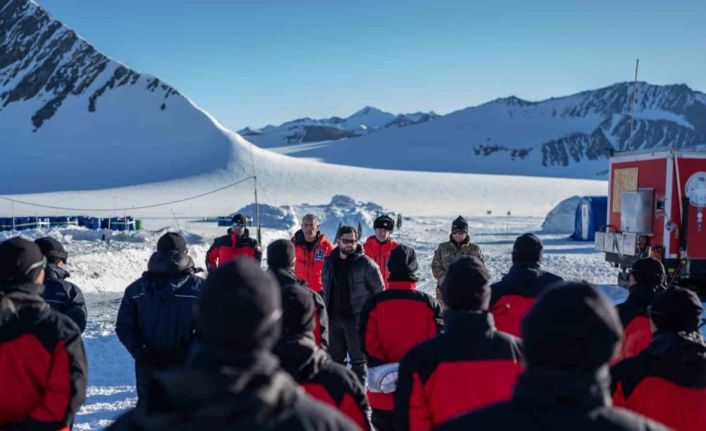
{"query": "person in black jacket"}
pixel 62 295
pixel 281 257
pixel 43 369
pixel 513 296
pixel 155 321
pixel 569 336
pixel 231 380
pixel 667 380
pixel 312 367
pixel 349 278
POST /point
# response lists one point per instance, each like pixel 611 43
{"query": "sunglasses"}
pixel 458 232
pixel 238 225
pixel 347 241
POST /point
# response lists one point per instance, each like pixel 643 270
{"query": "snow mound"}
pixel 342 210
pixel 282 217
pixel 562 218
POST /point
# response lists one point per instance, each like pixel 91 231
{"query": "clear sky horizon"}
pixel 252 63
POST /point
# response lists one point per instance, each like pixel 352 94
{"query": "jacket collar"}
pixel 564 388
pixel 642 294
pixel 299 238
pixel 677 343
pixel 402 285
pixel 299 356
pixel 53 272
pixel 285 276
pixel 468 321
pixel 459 244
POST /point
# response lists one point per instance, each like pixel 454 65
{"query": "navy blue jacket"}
pixel 156 316
pixel 64 296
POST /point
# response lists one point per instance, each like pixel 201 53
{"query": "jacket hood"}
pixel 300 357
pixel 53 272
pixel 684 349
pixel 166 263
pixel 218 386
pixel 643 294
pixel 556 388
pixel 22 301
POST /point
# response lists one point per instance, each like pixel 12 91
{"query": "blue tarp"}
pixel 591 215
pixel 25 223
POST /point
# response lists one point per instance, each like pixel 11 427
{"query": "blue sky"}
pixel 267 61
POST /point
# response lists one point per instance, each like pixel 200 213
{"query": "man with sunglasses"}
pixel 349 278
pixel 43 368
pixel 236 243
pixel 459 244
pixel 647 277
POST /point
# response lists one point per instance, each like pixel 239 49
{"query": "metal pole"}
pixel 634 104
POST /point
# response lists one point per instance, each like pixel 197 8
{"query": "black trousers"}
pixel 383 420
pixel 344 339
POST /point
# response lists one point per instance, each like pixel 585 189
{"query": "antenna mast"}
pixel 634 104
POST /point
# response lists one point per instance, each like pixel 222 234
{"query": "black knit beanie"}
pixel 21 261
pixel 571 326
pixel 402 264
pixel 280 254
pixel 527 249
pixel 240 307
pixel 465 285
pixel 677 308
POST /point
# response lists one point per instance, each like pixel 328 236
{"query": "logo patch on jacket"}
pixel 319 255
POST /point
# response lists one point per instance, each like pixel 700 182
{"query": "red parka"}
pixel 391 323
pixel 310 258
pixel 380 252
pixel 229 247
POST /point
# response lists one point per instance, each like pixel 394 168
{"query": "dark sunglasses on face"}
pixel 458 232
pixel 238 224
pixel 347 241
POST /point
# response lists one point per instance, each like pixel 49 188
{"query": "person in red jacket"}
pixel 647 277
pixel 236 243
pixel 569 336
pixel 312 248
pixel 392 322
pixel 309 365
pixel 667 380
pixel 513 296
pixel 378 246
pixel 469 366
pixel 43 368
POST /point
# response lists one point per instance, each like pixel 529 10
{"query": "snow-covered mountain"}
pixel 569 136
pixel 307 130
pixel 72 118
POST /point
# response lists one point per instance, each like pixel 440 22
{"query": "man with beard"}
pixel 349 279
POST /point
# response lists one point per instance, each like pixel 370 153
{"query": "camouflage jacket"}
pixel 449 251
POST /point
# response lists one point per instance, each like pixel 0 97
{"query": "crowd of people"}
pixel 334 335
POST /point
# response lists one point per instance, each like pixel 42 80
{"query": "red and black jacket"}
pixel 310 258
pixel 467 367
pixel 228 247
pixel 380 252
pixel 43 366
pixel 636 324
pixel 552 399
pixel 666 381
pixel 324 379
pixel 286 277
pixel 514 295
pixel 391 323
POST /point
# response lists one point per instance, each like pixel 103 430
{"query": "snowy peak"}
pixel 570 136
pixel 305 130
pixel 69 113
